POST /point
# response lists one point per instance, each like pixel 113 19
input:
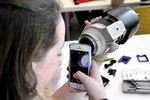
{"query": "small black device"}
pixel 105 80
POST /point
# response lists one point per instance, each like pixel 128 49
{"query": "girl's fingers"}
pixel 82 77
pixel 88 23
pixel 95 19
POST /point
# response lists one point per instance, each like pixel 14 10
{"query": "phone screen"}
pixel 79 61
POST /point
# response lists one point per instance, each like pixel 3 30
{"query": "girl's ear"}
pixel 39 75
pixel 35 67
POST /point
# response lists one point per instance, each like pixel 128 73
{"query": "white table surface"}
pixel 139 44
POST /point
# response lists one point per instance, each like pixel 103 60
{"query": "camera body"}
pixel 115 28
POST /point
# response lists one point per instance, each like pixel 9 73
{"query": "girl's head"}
pixel 29 37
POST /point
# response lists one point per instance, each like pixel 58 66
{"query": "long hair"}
pixel 27 31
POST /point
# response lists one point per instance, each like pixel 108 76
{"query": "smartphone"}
pixel 80 60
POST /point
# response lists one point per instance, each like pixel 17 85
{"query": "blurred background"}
pixel 75 13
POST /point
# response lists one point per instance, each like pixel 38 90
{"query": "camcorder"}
pixel 116 27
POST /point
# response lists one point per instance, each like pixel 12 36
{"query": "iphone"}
pixel 80 60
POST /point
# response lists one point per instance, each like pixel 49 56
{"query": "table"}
pixel 138 44
pixel 69 6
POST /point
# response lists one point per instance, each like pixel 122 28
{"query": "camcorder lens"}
pixel 87 41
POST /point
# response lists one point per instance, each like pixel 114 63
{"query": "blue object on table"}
pixel 124 59
pixel 142 58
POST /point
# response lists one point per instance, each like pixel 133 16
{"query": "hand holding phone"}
pixel 94 84
pixel 80 60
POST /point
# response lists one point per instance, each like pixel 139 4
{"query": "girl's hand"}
pixel 93 84
pixel 88 23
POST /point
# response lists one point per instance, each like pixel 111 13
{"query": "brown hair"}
pixel 27 31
